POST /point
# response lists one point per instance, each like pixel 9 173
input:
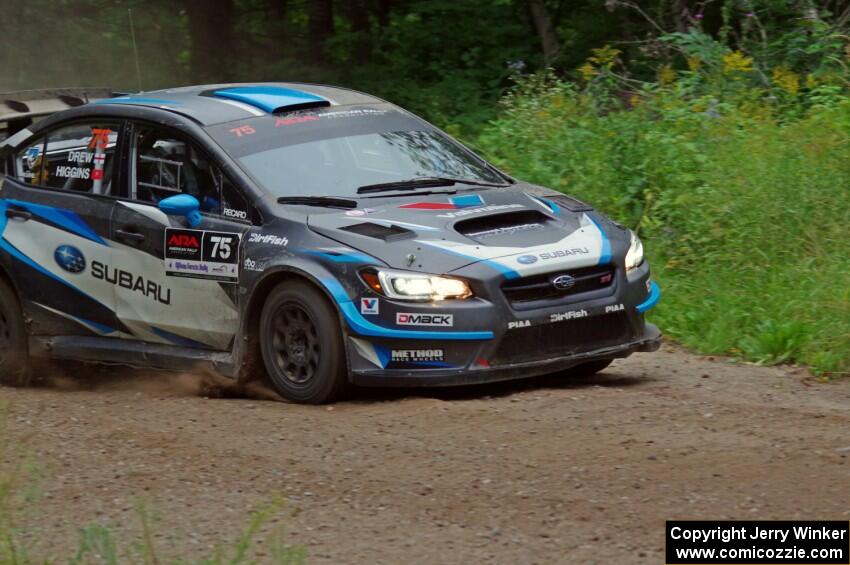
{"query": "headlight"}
pixel 634 256
pixel 401 285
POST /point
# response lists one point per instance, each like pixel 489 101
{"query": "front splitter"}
pixel 649 341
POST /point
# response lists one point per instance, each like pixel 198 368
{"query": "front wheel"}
pixel 301 344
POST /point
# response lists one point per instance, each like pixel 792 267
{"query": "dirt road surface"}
pixel 543 471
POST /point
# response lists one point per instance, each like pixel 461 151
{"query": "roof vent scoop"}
pixel 273 99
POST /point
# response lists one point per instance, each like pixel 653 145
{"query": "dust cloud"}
pixel 73 376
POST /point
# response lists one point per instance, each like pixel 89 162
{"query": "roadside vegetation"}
pixel 20 478
pixel 736 176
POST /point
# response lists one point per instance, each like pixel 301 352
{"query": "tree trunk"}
pixel 383 12
pixel 321 27
pixel 277 12
pixel 549 41
pixel 211 40
pixel 358 15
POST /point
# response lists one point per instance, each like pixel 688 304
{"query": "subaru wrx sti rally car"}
pixel 320 235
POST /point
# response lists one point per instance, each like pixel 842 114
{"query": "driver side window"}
pixel 167 165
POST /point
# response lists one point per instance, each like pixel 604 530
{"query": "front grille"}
pixel 562 338
pixel 540 287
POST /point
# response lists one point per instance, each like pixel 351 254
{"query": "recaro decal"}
pixel 238 214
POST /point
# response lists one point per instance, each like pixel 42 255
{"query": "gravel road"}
pixel 550 470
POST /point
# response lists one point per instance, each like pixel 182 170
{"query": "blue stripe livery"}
pixel 605 253
pixel 65 219
pixel 652 299
pixel 364 327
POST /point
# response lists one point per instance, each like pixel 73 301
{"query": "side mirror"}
pixel 182 205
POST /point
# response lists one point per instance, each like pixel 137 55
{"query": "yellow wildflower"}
pixel 666 75
pixel 605 56
pixel 736 62
pixel 787 80
pixel 587 71
pixel 694 63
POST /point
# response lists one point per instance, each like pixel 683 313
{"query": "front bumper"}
pixel 650 340
pixel 489 338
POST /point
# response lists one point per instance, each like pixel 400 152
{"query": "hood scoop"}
pixel 377 231
pixel 502 224
pixel 570 203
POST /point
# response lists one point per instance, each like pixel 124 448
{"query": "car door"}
pixel 54 220
pixel 177 284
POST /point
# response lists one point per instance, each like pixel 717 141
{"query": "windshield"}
pixel 325 154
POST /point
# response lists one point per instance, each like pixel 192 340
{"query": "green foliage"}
pixel 742 202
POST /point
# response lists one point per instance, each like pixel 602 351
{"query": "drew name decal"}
pixel 128 280
pixel 82 157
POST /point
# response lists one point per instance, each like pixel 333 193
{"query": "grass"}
pixel 99 544
pixel 744 211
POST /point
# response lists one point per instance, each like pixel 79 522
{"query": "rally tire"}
pixel 15 367
pixel 301 345
pixel 588 369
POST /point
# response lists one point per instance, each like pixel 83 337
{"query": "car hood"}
pixel 519 230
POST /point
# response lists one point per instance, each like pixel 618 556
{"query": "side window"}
pixel 233 202
pixel 167 165
pixel 80 158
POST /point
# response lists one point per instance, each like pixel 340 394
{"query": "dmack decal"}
pixel 128 280
pixel 436 320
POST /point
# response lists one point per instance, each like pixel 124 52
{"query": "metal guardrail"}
pixel 32 103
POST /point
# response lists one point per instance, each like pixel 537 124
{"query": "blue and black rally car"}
pixel 318 235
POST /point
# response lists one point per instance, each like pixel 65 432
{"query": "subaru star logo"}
pixel 70 258
pixel 563 282
pixel 526 259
